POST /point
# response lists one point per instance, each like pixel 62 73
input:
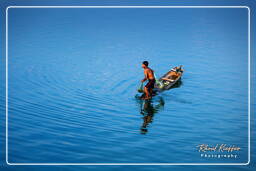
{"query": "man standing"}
pixel 149 75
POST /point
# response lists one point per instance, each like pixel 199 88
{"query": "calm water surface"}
pixel 73 76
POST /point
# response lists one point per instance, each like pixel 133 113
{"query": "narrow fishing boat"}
pixel 169 79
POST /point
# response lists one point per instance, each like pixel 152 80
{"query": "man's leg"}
pixel 151 91
pixel 146 92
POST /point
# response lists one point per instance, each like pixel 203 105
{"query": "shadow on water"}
pixel 148 108
pixel 176 85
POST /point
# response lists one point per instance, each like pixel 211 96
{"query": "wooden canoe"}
pixel 169 79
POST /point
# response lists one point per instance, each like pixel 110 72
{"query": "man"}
pixel 149 75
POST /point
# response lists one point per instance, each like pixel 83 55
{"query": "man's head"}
pixel 144 64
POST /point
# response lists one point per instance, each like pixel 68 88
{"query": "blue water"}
pixel 73 76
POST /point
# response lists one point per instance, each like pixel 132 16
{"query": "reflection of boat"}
pixel 176 85
pixel 169 80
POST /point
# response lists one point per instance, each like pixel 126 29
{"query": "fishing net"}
pixel 158 83
pixel 140 89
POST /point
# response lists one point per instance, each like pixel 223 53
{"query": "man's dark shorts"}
pixel 150 84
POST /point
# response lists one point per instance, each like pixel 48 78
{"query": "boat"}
pixel 169 80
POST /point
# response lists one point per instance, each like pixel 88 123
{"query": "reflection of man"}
pixel 149 75
pixel 148 110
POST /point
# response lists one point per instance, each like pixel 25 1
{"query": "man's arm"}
pixel 145 78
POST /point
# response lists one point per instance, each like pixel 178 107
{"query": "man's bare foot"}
pixel 146 98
